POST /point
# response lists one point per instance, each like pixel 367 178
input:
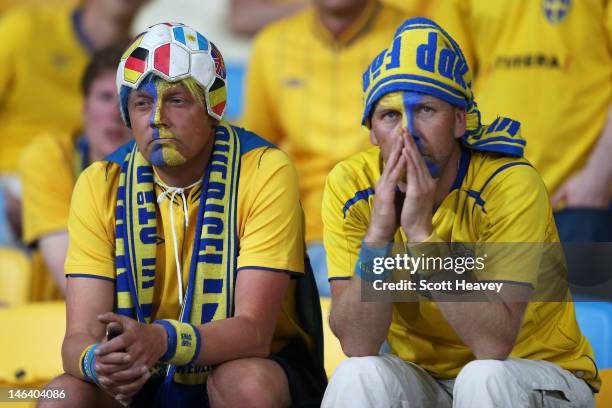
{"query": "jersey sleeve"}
pixel 272 235
pixel 260 113
pixel 91 249
pixel 518 227
pixel 47 179
pixel 344 222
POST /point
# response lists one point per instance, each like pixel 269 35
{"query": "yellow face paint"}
pixel 395 101
pixel 166 154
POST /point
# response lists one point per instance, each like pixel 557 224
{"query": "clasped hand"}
pixel 413 210
pixel 122 364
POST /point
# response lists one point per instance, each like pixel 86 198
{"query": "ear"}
pixel 460 122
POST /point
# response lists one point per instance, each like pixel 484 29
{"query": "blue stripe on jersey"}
pixel 360 195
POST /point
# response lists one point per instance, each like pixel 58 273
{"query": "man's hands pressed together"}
pixel 123 363
pixel 413 210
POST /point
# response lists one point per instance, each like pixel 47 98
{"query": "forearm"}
pixel 72 348
pixel 360 326
pixel 248 17
pixel 231 339
pixel 54 247
pixel 489 329
pixel 599 162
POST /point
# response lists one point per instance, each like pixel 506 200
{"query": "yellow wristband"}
pixel 184 342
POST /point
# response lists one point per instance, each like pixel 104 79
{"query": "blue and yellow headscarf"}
pixel 424 58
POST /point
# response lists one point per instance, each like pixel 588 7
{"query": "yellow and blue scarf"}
pixel 424 58
pixel 210 288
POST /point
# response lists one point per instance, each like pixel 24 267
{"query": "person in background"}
pixel 51 164
pixel 302 93
pixel 43 56
pixel 549 65
pixel 247 17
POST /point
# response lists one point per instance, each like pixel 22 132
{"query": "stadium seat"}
pixel 31 354
pixel 604 398
pixel 15 276
pixel 333 351
pixel 595 320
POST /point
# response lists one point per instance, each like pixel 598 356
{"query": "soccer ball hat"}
pixel 173 52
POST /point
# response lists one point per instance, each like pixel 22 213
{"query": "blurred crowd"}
pixel 546 63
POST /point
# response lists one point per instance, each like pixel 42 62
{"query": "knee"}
pixel 72 388
pixel 483 374
pixel 368 369
pixel 248 382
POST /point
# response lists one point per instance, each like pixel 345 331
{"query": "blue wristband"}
pixel 171 332
pixel 88 360
pixel 365 263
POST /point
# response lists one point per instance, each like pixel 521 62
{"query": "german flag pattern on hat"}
pixel 173 52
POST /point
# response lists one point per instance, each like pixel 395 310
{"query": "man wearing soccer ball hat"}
pixel 183 249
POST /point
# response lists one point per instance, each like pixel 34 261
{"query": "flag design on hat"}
pixel 171 60
pixel 135 65
pixel 217 96
pixel 190 38
pixel 219 63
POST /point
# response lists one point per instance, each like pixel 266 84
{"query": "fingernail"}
pixel 119 397
pixel 126 358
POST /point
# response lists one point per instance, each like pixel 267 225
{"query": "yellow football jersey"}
pixel 269 229
pixel 547 64
pixel 47 173
pixel 42 63
pixel 494 199
pixel 6 5
pixel 303 93
pixel 416 8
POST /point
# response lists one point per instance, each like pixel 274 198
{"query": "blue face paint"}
pixel 411 101
pixel 162 154
pixel 149 86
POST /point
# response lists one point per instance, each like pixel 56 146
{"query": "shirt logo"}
pixel 556 10
pixel 59 60
pixel 293 82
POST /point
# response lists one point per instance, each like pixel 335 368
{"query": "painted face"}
pixel 104 128
pixel 169 121
pixel 431 122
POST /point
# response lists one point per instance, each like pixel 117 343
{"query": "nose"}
pixel 157 115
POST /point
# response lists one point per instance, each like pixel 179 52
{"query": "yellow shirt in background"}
pixel 42 63
pixel 513 207
pixel 544 63
pixel 269 228
pixel 6 5
pixel 303 93
pixel 47 172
